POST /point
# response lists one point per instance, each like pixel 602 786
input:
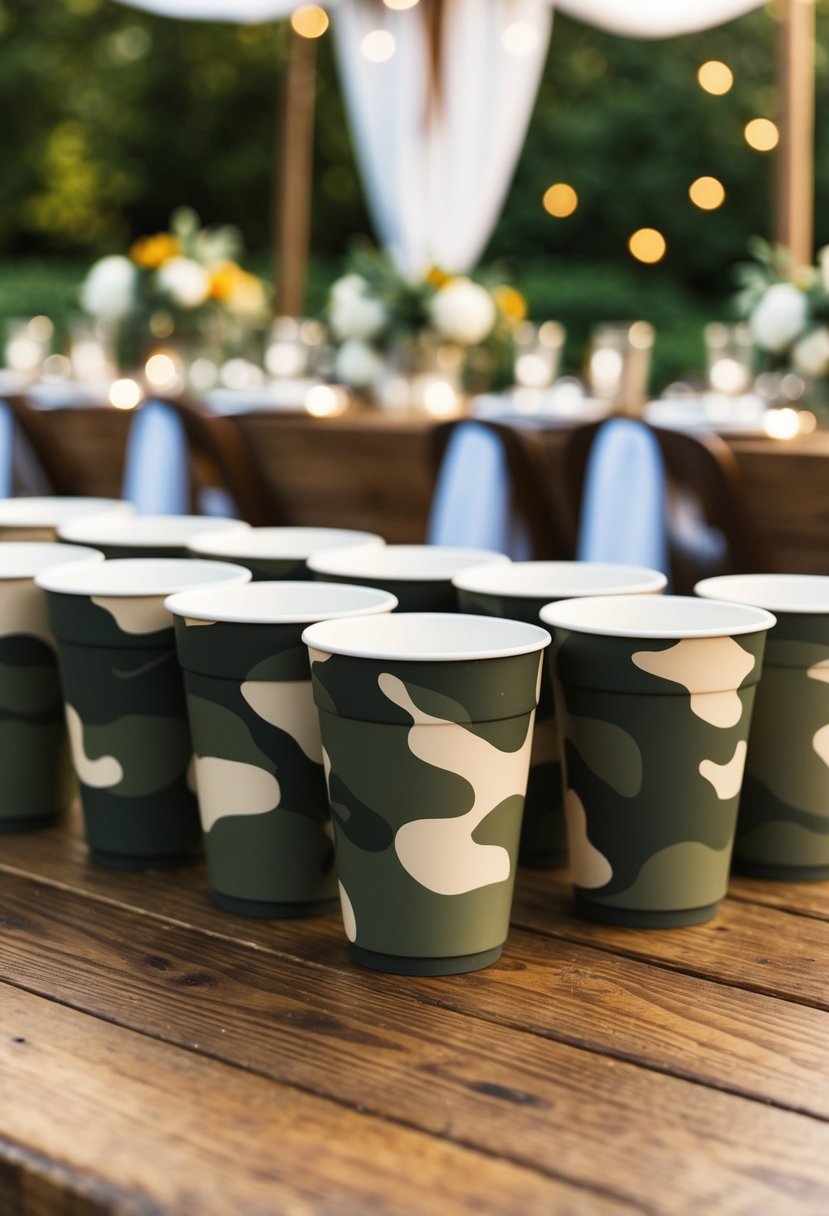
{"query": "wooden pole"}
pixel 796 154
pixel 292 202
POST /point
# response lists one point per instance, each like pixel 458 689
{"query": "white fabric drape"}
pixel 241 11
pixel 656 18
pixel 436 168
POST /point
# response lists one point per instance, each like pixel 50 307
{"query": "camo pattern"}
pixel 258 765
pixel 783 824
pixel 655 738
pixel 427 767
pixel 543 833
pixel 127 721
pixel 34 758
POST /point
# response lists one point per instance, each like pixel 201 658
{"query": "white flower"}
pixel 780 316
pixel 185 281
pixel 464 312
pixel 357 364
pixel 108 291
pixel 811 354
pixel 354 313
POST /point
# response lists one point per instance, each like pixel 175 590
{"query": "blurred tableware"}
pixel 419 575
pixel 92 353
pixel 293 347
pixel 653 697
pixel 277 553
pixel 426 721
pixel 142 535
pixel 741 415
pixel 39 519
pixel 783 825
pixel 619 364
pixel 518 591
pixel 729 353
pixel 537 353
pixel 258 755
pixel 28 342
pixel 125 705
pixel 34 759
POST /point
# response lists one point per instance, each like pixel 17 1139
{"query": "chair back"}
pixel 157 462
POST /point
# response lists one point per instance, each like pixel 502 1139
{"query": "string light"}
pixel 400 5
pixel 647 245
pixel 124 394
pixel 761 134
pixel 560 200
pixel 309 21
pixel 378 46
pixel 715 77
pixel 707 193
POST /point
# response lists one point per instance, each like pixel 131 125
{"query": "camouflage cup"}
pixel 783 824
pixel 125 707
pixel 653 697
pixel 426 723
pixel 145 536
pixel 38 519
pixel 419 575
pixel 255 731
pixel 519 590
pixel 277 553
pixel 34 759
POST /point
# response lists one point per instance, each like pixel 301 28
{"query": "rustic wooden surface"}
pixel 158 1055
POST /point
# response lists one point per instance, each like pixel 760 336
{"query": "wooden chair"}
pixel 40 464
pixel 530 477
pixel 710 529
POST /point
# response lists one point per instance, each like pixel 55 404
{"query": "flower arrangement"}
pixel 787 310
pixel 184 282
pixel 375 314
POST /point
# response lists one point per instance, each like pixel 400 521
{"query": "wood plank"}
pixel 169 1131
pixel 362 1039
pixel 804 898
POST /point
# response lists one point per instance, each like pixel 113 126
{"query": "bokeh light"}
pixel 560 200
pixel 400 5
pixel 378 46
pixel 715 77
pixel 707 193
pixel 761 134
pixel 647 245
pixel 309 21
pixel 124 394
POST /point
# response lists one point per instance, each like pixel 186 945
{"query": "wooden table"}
pixel 160 1056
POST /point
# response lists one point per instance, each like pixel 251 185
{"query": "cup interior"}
pixel 776 592
pixel 559 580
pixel 25 559
pixel 280 542
pixel 425 636
pixel 138 576
pixel 173 531
pixel 655 616
pixel 279 603
pixel 405 562
pixel 52 512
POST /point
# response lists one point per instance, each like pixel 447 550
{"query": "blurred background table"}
pixel 158 1056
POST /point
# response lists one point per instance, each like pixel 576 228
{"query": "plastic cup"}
pixel 39 519
pixel 125 707
pixel 783 824
pixel 426 722
pixel 258 755
pixel 277 553
pixel 419 575
pixel 34 758
pixel 519 590
pixel 143 536
pixel 654 697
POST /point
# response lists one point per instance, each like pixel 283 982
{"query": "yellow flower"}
pixel 150 252
pixel 235 287
pixel 510 302
pixel 437 277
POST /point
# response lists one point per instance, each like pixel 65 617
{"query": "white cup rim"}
pixel 56 510
pixel 26 559
pixel 275 544
pixel 138 577
pixel 150 531
pixel 402 563
pixel 279 603
pixel 425 637
pixel 799 594
pixel 560 580
pixel 655 616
